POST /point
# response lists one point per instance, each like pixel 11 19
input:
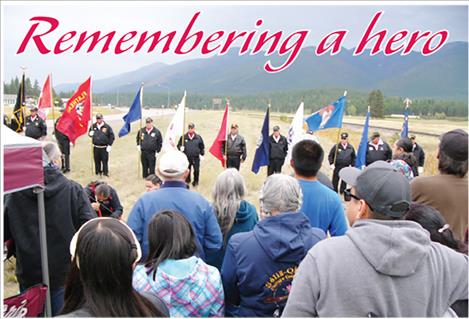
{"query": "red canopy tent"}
pixel 23 169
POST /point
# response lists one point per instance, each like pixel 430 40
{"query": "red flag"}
pixel 45 99
pixel 77 113
pixel 216 148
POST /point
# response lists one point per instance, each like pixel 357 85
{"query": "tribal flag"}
pixel 216 148
pixel 328 117
pixel 176 128
pixel 45 99
pixel 295 132
pixel 77 114
pixel 262 156
pixel 17 120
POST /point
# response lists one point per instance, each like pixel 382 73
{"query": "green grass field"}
pixel 125 174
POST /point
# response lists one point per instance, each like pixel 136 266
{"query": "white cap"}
pixel 173 163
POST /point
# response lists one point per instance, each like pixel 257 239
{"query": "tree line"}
pixel 281 101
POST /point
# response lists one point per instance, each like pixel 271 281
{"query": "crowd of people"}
pixel 394 245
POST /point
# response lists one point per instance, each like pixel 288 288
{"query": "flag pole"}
pixel 139 154
pixel 338 136
pixel 183 120
pixel 22 106
pixel 91 124
pixel 226 133
pixel 52 98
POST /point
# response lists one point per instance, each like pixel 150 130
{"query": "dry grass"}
pixel 125 177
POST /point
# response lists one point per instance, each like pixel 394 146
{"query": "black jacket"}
pixel 109 208
pixel 345 156
pixel 61 138
pixel 149 142
pixel 37 128
pixel 192 147
pixel 102 137
pixel 278 150
pixel 384 153
pixel 67 208
pixel 236 148
pixel 419 154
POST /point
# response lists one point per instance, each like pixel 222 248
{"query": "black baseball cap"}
pixel 381 186
pixel 191 125
pixel 344 135
pixel 99 116
pixel 148 120
pixel 276 128
pixel 375 134
pixel 454 144
pixel 34 108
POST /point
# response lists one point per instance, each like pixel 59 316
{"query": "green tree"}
pixel 376 103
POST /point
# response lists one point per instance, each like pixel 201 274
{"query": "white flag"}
pixel 295 132
pixel 176 128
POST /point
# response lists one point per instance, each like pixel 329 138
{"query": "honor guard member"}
pixel 103 137
pixel 64 145
pixel 104 200
pixel 35 126
pixel 377 150
pixel 278 151
pixel 345 157
pixel 149 143
pixel 194 149
pixel 235 152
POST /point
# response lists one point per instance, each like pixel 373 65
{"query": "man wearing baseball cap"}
pixel 192 144
pixel 384 266
pixel 278 151
pixel 341 155
pixel 447 191
pixel 102 139
pixel 35 126
pixel 174 195
pixel 377 150
pixel 149 142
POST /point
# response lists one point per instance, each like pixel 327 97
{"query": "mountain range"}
pixel 441 75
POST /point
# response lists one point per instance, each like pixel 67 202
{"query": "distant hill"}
pixel 442 75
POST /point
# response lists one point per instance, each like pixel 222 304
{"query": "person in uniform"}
pixel 149 141
pixel 235 152
pixel 345 157
pixel 64 145
pixel 102 137
pixel 35 126
pixel 104 200
pixel 194 149
pixel 418 153
pixel 278 151
pixel 377 150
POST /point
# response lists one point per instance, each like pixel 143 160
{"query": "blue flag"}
pixel 327 117
pixel 405 125
pixel 135 113
pixel 360 162
pixel 262 151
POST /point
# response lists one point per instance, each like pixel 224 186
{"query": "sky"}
pixel 122 16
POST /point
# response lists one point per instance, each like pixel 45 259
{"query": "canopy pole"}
pixel 43 244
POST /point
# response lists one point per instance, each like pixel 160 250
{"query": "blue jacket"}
pixel 175 196
pixel 245 220
pixel 259 265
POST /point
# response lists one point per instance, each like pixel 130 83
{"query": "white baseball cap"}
pixel 173 163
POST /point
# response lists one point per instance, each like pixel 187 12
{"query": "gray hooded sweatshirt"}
pixel 380 268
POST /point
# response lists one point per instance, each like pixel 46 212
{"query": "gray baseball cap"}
pixel 384 189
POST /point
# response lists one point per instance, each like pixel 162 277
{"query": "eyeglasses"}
pixel 348 196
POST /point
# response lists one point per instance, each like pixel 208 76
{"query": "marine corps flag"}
pixel 17 120
pixel 77 113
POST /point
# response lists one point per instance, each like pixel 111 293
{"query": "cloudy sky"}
pixel 147 16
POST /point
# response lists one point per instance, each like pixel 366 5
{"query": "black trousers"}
pixel 148 160
pixel 233 162
pixel 194 163
pixel 101 158
pixel 335 181
pixel 275 166
pixel 64 147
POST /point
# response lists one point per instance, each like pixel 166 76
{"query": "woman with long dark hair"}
pixel 188 286
pixel 104 253
pixel 401 155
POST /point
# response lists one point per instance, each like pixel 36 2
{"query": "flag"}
pixel 261 158
pixel 17 120
pixel 216 148
pixel 405 125
pixel 176 128
pixel 295 132
pixel 360 162
pixel 135 113
pixel 77 113
pixel 327 117
pixel 45 99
